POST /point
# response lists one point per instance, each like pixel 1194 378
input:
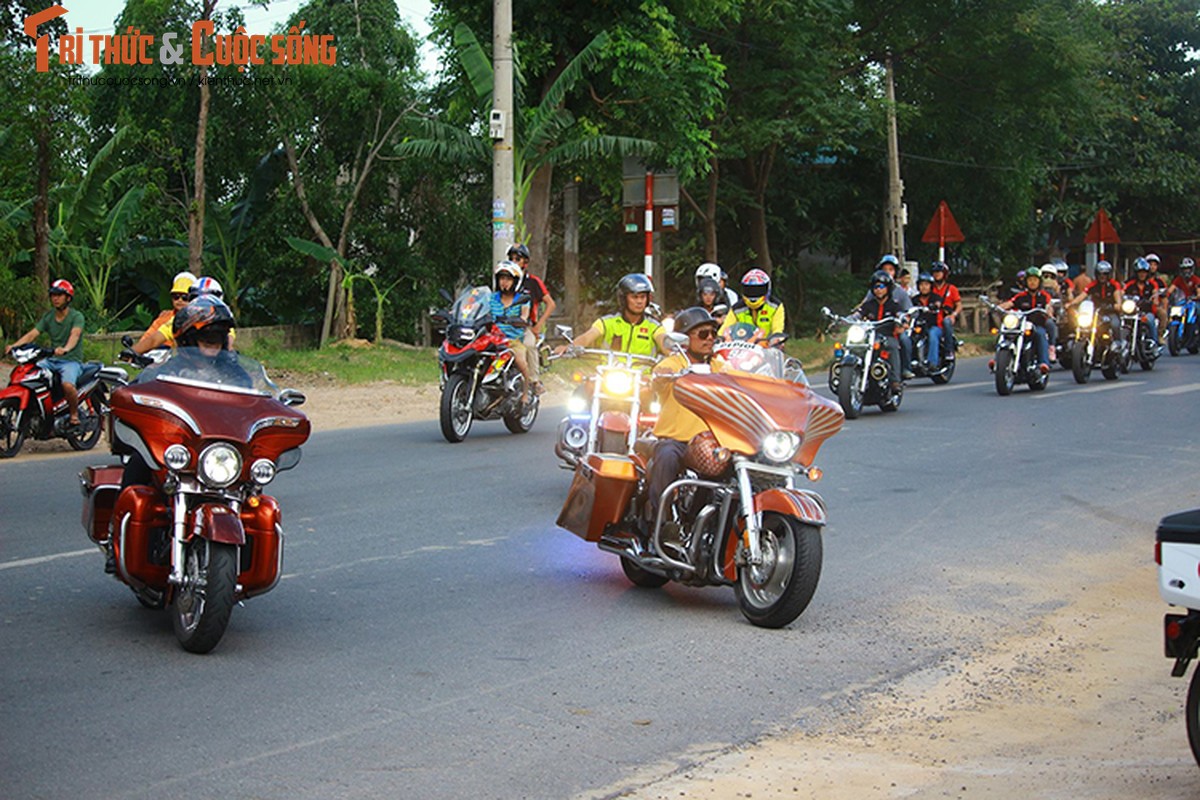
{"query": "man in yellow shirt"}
pixel 756 306
pixel 676 425
pixel 629 330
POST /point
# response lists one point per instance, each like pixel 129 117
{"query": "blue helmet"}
pixel 1141 265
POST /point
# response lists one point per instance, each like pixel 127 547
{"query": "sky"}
pixel 97 16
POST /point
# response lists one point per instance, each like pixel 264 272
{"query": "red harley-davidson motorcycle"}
pixel 184 518
pixel 479 378
pixel 33 403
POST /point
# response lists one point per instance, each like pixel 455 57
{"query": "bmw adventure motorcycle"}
pixel 1016 360
pixel 740 515
pixel 199 535
pixel 33 404
pixel 479 377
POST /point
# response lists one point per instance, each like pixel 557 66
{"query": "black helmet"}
pixel 633 283
pixel 691 318
pixel 935 266
pixel 708 285
pixel 518 251
pixel 882 276
pixel 206 314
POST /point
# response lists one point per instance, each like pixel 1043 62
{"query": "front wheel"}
pixel 91 418
pixel 1006 372
pixel 1081 361
pixel 777 591
pixel 456 414
pixel 850 392
pixel 639 576
pixel 202 605
pixel 1173 340
pixel 12 432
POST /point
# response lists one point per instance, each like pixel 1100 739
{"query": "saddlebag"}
pixel 1178 545
pixel 599 494
pixel 100 487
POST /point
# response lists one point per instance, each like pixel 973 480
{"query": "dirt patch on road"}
pixel 1081 705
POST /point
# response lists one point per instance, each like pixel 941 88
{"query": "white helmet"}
pixel 708 270
pixel 1049 269
pixel 510 268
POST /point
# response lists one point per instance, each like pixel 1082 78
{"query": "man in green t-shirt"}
pixel 64 325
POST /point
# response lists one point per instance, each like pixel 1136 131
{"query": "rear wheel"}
pixel 12 432
pixel 201 607
pixel 522 420
pixel 1006 372
pixel 944 377
pixel 1173 340
pixel 850 392
pixel 639 576
pixel 91 417
pixel 456 414
pixel 777 591
pixel 1111 370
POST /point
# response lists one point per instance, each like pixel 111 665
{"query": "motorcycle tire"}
pixel 1173 341
pixel 1006 372
pixel 942 378
pixel 1194 348
pixel 1146 357
pixel 12 434
pixel 521 421
pixel 1192 712
pixel 1039 381
pixel 1112 370
pixel 894 397
pixel 776 592
pixel 850 394
pixel 639 576
pixel 1081 362
pixel 456 413
pixel 200 616
pixel 91 417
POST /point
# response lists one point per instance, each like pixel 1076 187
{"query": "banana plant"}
pixel 328 255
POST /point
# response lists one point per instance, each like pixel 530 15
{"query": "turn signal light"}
pixel 815 474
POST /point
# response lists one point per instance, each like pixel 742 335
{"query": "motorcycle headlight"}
pixel 263 471
pixel 856 334
pixel 780 446
pixel 177 457
pixel 1084 318
pixel 576 404
pixel 220 465
pixel 655 407
pixel 1011 321
pixel 618 382
pixel 1128 306
pixel 1176 311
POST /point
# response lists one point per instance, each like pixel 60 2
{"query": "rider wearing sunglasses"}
pixel 183 283
pixel 881 304
pixel 676 425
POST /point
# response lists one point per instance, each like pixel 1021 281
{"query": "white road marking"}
pixel 30 562
pixel 1099 387
pixel 949 387
pixel 1173 390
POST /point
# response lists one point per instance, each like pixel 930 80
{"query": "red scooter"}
pixel 184 518
pixel 33 404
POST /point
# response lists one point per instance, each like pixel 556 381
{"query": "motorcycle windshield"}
pixel 472 308
pixel 741 409
pixel 223 370
pixel 768 362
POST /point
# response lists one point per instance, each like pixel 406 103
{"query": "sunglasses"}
pixel 179 295
pixel 705 333
pixel 880 286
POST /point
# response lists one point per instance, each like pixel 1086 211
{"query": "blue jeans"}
pixel 948 333
pixel 1152 324
pixel 935 343
pixel 1042 340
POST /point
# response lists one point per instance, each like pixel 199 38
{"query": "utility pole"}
pixel 571 249
pixel 895 207
pixel 501 128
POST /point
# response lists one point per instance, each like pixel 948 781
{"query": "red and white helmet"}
pixel 204 286
pixel 61 286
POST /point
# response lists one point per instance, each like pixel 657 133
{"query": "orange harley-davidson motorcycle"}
pixel 739 516
pixel 191 528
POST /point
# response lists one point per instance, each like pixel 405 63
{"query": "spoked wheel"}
pixel 1081 361
pixel 1006 372
pixel 639 576
pixel 202 605
pixel 777 591
pixel 522 420
pixel 850 393
pixel 456 413
pixel 12 432
pixel 91 417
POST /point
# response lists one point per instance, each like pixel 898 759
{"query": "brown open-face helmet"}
pixel 705 457
pixel 207 317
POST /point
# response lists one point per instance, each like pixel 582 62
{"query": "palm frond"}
pixel 596 147
pixel 474 62
pixel 119 220
pixel 85 208
pixel 447 143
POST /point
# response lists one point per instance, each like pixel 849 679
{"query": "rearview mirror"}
pixel 292 397
pixel 445 295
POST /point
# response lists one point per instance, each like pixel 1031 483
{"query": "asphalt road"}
pixel 436 636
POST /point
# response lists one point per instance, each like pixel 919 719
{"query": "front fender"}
pixel 806 506
pixel 218 523
pixel 851 360
pixel 22 393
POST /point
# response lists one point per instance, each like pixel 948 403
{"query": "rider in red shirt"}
pixel 1034 297
pixel 951 303
pixel 1185 281
pixel 1144 286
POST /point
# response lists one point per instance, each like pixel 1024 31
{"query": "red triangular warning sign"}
pixel 943 228
pixel 1101 230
